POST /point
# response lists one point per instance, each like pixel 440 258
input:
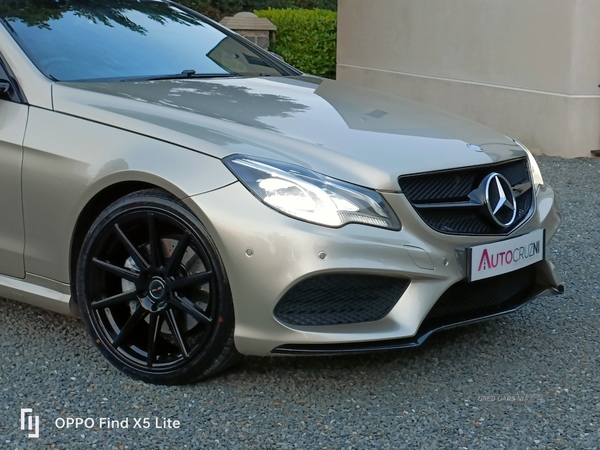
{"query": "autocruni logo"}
pixel 30 423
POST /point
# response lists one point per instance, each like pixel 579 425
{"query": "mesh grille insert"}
pixel 454 186
pixel 465 299
pixel 336 299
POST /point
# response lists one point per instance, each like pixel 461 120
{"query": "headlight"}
pixel 306 195
pixel 535 169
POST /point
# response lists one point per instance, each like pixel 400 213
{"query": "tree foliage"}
pixel 217 9
pixel 306 39
pixel 39 13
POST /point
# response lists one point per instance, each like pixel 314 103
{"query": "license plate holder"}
pixel 500 257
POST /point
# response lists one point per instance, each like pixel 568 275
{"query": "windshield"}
pixel 79 40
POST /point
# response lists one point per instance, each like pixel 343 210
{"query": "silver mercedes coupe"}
pixel 194 198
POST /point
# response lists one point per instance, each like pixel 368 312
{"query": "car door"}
pixel 13 121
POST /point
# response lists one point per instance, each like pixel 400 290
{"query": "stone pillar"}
pixel 527 68
pixel 255 29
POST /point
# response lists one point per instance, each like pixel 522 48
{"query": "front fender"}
pixel 67 161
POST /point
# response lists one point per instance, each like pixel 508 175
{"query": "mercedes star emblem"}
pixel 500 199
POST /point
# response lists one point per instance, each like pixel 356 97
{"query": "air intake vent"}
pixel 336 299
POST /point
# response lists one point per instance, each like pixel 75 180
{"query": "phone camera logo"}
pixel 30 423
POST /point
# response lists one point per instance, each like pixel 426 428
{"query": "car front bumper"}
pixel 266 253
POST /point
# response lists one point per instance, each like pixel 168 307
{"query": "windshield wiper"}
pixel 190 74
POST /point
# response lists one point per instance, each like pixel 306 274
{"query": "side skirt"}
pixel 38 291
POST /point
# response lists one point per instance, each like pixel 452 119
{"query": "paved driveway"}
pixel 528 380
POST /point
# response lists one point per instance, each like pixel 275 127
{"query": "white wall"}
pixel 528 68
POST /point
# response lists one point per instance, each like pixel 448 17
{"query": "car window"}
pixel 78 40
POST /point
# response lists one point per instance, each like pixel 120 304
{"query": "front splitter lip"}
pixel 425 331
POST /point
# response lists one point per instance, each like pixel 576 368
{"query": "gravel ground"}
pixel 527 380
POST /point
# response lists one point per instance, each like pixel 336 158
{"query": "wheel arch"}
pixel 90 212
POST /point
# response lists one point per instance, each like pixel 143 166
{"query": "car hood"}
pixel 355 134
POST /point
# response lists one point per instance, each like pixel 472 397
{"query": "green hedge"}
pixel 217 9
pixel 306 38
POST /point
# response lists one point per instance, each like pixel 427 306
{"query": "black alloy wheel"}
pixel 153 292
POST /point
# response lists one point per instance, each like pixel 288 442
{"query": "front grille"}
pixel 337 299
pixel 464 300
pixel 437 197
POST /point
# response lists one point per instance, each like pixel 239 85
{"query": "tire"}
pixel 153 291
